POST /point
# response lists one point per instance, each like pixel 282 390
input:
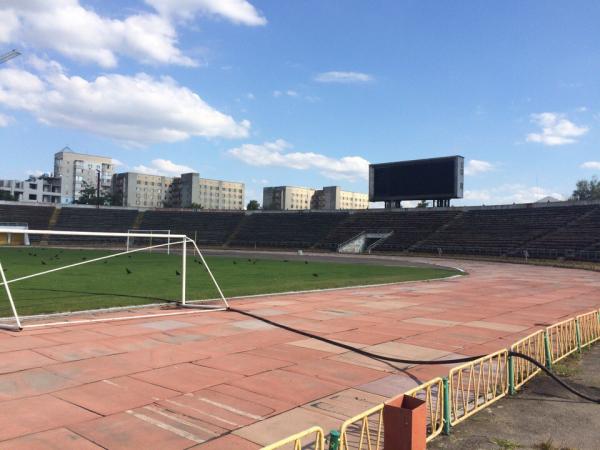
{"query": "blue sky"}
pixel 307 93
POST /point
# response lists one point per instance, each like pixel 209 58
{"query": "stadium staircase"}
pixel 418 244
pixel 234 234
pixel 138 220
pixel 51 223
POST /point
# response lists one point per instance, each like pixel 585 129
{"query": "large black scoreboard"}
pixel 420 179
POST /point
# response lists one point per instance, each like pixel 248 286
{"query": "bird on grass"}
pixel 83 258
pixel 129 272
pixel 105 262
pixel 305 262
pixel 235 262
pixel 315 274
pixel 43 262
pixel 177 272
pixel 285 260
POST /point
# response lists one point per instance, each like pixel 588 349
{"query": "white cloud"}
pixel 78 32
pixel 163 167
pixel 237 11
pixel 117 163
pixel 5 120
pixel 510 193
pixel 556 129
pixel 343 77
pixel 136 110
pixel 291 93
pixel 275 154
pixel 475 167
pixel 591 165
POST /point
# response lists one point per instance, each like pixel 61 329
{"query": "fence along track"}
pixel 563 339
pixel 589 327
pixel 313 438
pixel 477 384
pixel 363 431
pixel 432 393
pixel 532 345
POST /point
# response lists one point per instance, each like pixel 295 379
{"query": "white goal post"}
pixel 172 240
pixel 153 234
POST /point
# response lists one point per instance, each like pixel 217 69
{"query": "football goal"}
pixel 71 271
pixel 13 239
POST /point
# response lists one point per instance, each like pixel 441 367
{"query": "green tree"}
pixel 88 196
pixel 253 205
pixel 7 196
pixel 423 204
pixel 587 190
pixel 196 206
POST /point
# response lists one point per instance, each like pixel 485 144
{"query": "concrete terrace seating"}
pixel 286 229
pixel 207 227
pixel 580 235
pixel 409 227
pixel 92 219
pixel 36 217
pixel 499 231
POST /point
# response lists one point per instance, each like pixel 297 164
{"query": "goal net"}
pixel 13 239
pixel 64 272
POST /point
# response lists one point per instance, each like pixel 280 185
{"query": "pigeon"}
pixel 105 262
pixel 43 262
pixel 235 262
pixel 285 260
pixel 315 274
pixel 177 272
pixel 249 260
pixel 305 262
pixel 128 271
pixel 83 258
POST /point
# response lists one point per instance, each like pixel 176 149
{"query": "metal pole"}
pixel 511 375
pixel 183 272
pixel 578 334
pixel 169 242
pixel 98 189
pixel 446 398
pixel 10 299
pixel 334 440
pixel 547 350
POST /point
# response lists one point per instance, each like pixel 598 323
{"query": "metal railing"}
pixel 477 384
pixel 432 393
pixel 562 337
pixel 313 436
pixel 533 346
pixel 589 328
pixel 363 431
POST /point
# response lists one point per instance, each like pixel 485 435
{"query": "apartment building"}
pixel 285 198
pixel 208 193
pixel 42 189
pixel 141 190
pixel 155 191
pixel 76 170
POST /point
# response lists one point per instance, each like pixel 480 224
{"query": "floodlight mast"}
pixel 8 56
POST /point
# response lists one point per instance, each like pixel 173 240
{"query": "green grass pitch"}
pixel 143 278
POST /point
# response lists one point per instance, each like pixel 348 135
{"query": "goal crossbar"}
pixel 173 239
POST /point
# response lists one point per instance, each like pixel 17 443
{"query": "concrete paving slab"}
pixel 185 377
pixel 243 363
pixel 115 395
pixel 56 439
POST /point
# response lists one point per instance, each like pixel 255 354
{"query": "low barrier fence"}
pixel 468 389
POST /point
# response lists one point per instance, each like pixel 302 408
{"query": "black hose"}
pixel 356 349
pixel 411 361
pixel 553 376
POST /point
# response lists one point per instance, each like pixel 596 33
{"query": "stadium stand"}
pixel 207 227
pixel 91 219
pixel 569 230
pixel 499 231
pixel 294 229
pixel 37 217
pixel 408 227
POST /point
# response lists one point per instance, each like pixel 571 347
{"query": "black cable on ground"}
pixel 411 361
pixel 553 376
pixel 355 349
